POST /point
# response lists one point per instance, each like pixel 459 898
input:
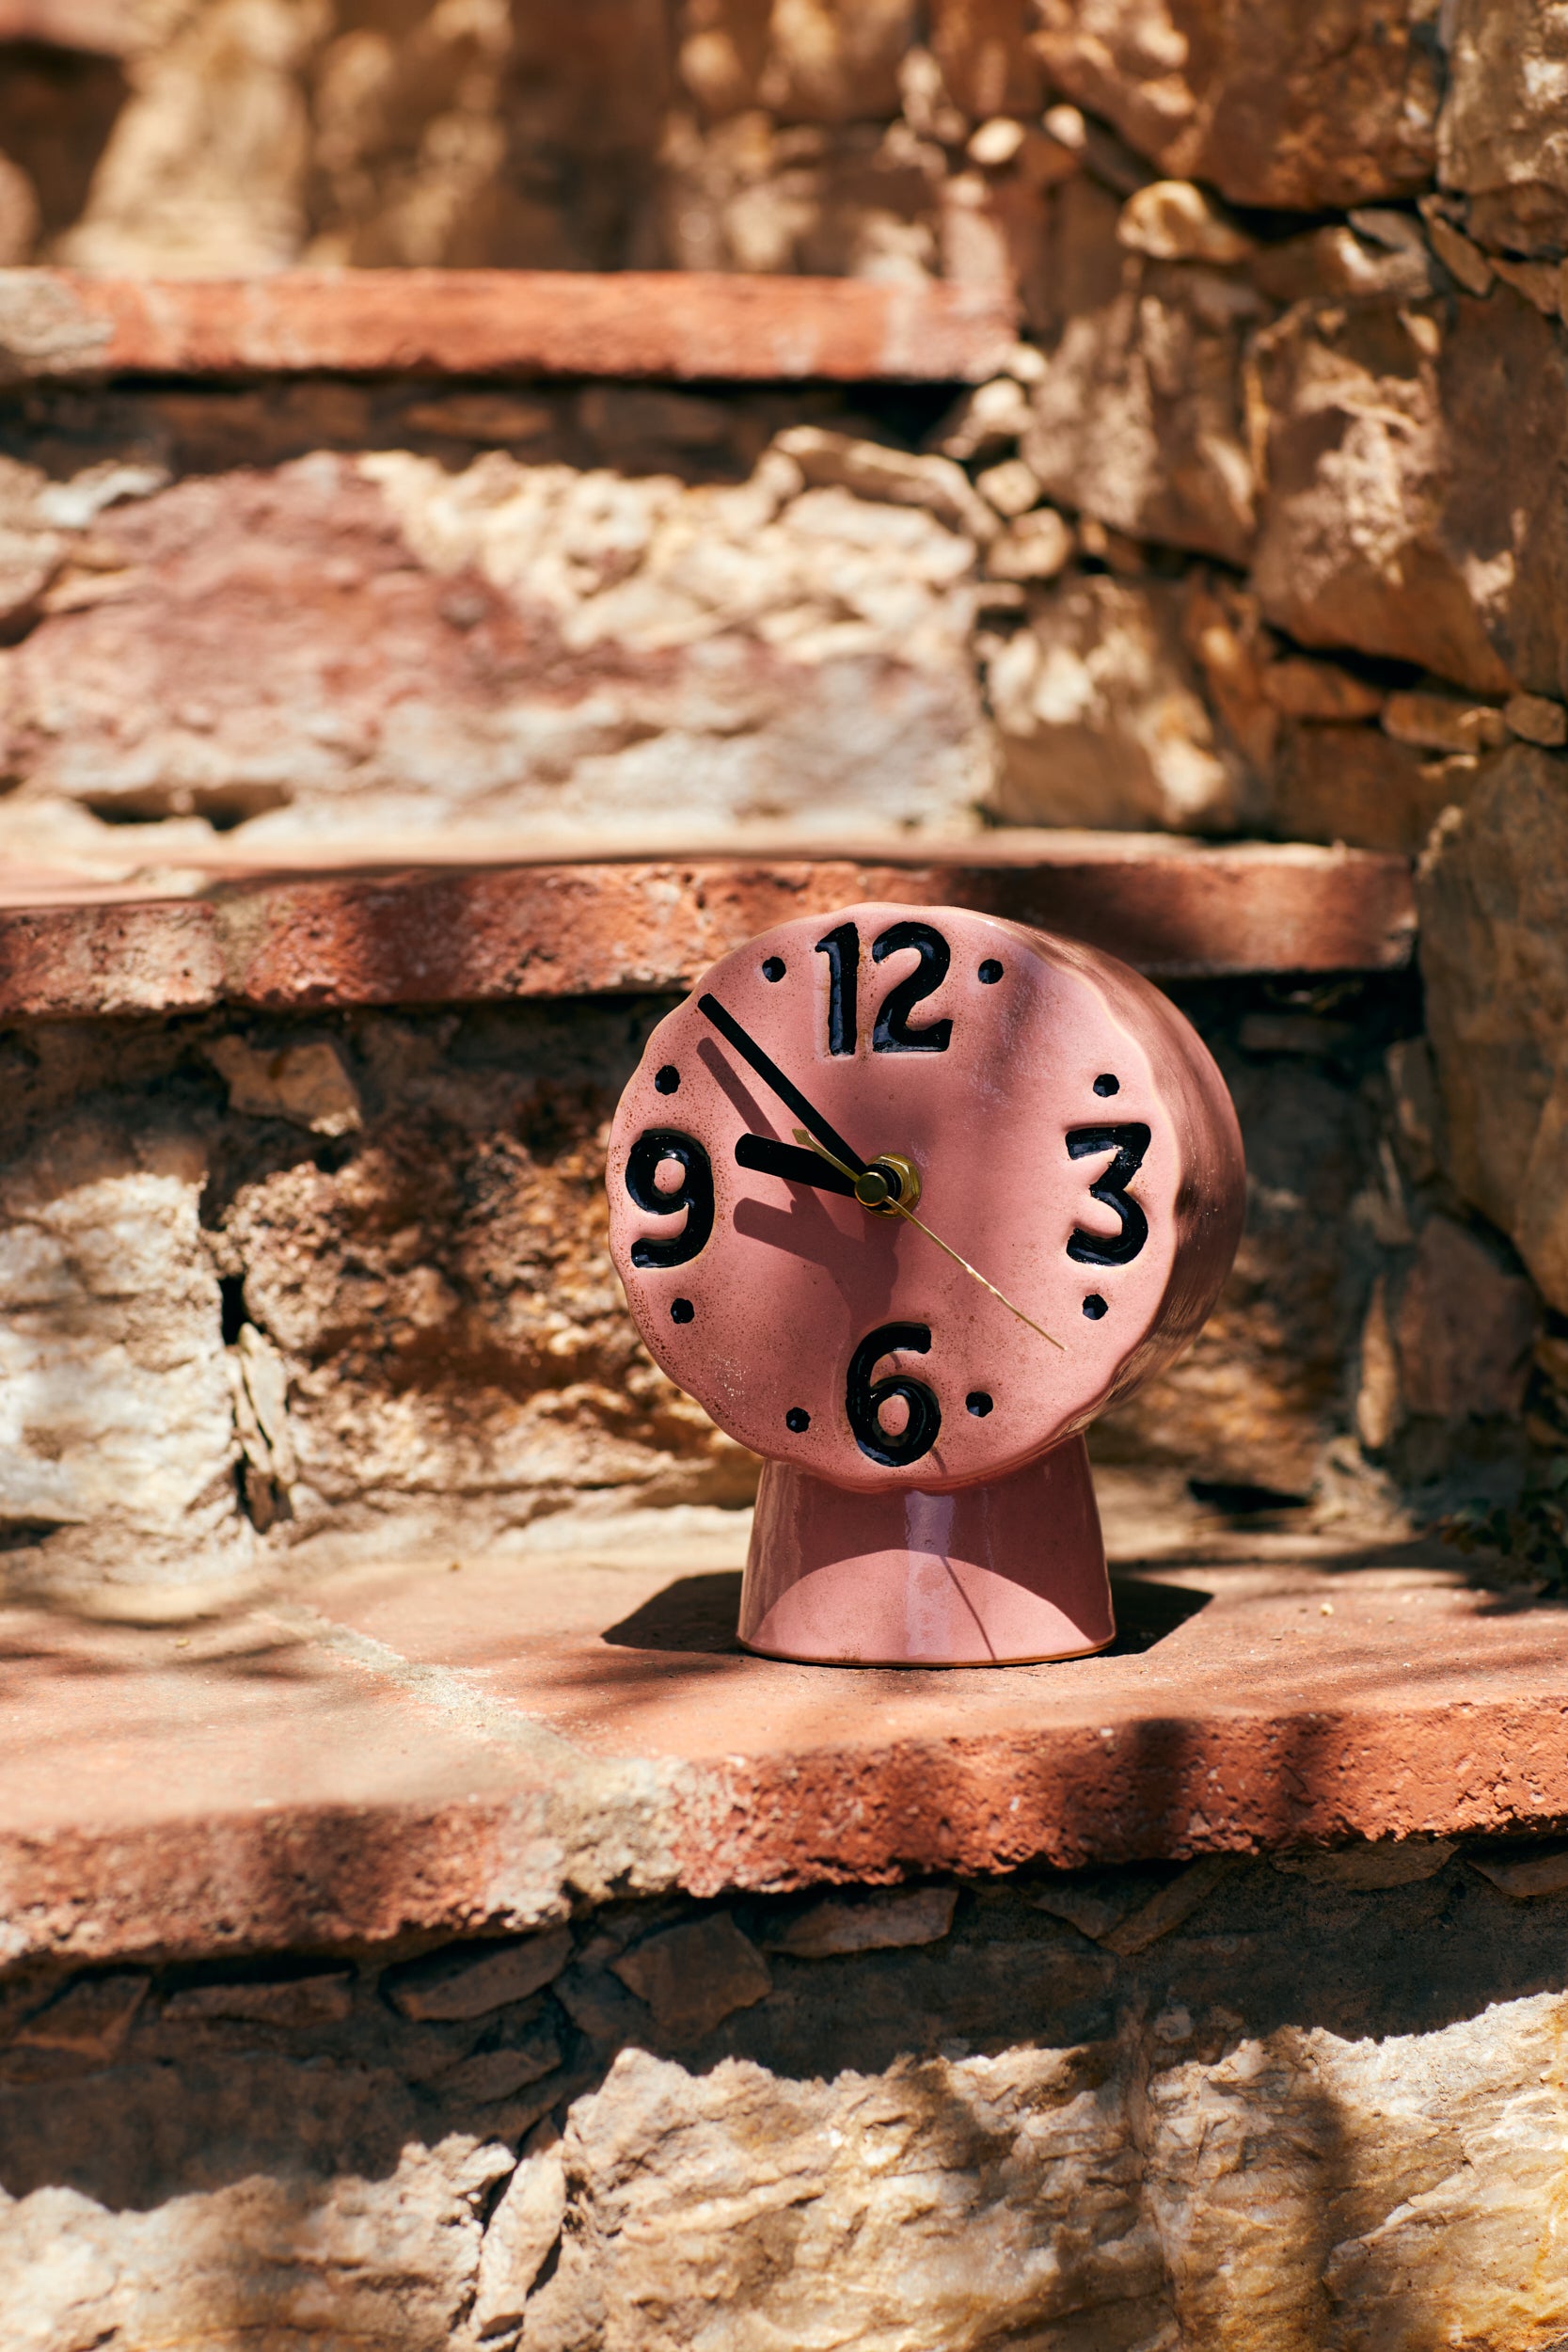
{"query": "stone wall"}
pixel 1123 2108
pixel 1262 531
pixel 285 1287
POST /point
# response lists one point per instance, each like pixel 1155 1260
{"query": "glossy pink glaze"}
pixel 792 1279
pixel 1000 1574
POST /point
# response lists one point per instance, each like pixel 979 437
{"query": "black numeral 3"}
pixel 1129 1143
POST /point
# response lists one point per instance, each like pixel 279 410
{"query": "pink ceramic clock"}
pixel 905 1198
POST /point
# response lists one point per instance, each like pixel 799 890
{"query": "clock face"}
pixel 1072 1141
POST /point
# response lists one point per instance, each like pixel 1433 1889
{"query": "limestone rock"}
pixel 1302 688
pixel 1526 1873
pixel 1355 785
pixel 877 2196
pixel 837 461
pixel 323 1999
pixel 91 2018
pixel 1501 136
pixel 117 1465
pixel 1138 419
pixel 882 1920
pixel 1171 220
pixel 1303 109
pixel 1536 719
pixel 206 168
pixel 389 644
pixel 306 1084
pixel 988 65
pixel 1404 2178
pixel 1441 722
pixel 456 1350
pixel 1035 546
pixel 1365 1868
pixel 694 1977
pixel 1262 1387
pixel 471 1983
pixel 1102 720
pixel 522 2230
pixel 1493 903
pixel 1389 523
pixel 852 200
pixel 1464 1327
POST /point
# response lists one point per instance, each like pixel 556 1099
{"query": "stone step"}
pixel 490 1739
pixel 682 326
pixel 77 947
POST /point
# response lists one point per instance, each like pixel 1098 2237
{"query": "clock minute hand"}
pixel 767 1070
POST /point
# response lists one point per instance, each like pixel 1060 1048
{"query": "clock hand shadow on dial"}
pixel 807 1227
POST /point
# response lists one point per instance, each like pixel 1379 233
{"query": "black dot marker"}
pixel 1105 1084
pixel 1094 1306
pixel 668 1079
pixel 773 968
pixel 990 972
pixel 978 1402
pixel 681 1310
pixel 797 1418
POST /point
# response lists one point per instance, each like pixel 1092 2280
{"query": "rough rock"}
pixel 1442 722
pixel 1364 1868
pixel 1536 719
pixel 289 2001
pixel 1139 419
pixel 389 644
pixel 522 2231
pixel 1036 547
pixel 1305 109
pixel 1493 902
pixel 1262 1387
pixel 1352 2135
pixel 91 2018
pixel 1101 716
pixel 1464 1327
pixel 694 1977
pixel 1389 524
pixel 117 1470
pixel 1355 785
pixel 205 169
pixel 880 1921
pixel 1526 1875
pixel 1501 137
pixel 1171 220
pixel 463 1984
pixel 305 1083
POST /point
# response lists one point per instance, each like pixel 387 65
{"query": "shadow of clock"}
pixel 695 1616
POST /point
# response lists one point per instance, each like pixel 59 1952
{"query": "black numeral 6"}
pixel 863 1398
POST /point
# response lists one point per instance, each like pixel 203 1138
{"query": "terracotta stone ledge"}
pixel 488 934
pixel 677 324
pixel 423 1751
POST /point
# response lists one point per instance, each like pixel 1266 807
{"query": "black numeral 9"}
pixel 694 1194
pixel 863 1398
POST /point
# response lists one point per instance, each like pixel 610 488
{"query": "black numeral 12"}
pixel 890 1032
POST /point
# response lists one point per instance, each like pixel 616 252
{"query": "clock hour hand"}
pixel 796 1166
pixel 788 1092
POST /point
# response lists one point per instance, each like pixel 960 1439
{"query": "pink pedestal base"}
pixel 1006 1574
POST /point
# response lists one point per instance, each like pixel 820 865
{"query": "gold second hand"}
pixel 811 1144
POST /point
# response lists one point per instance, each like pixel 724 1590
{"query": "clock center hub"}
pixel 890 1184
